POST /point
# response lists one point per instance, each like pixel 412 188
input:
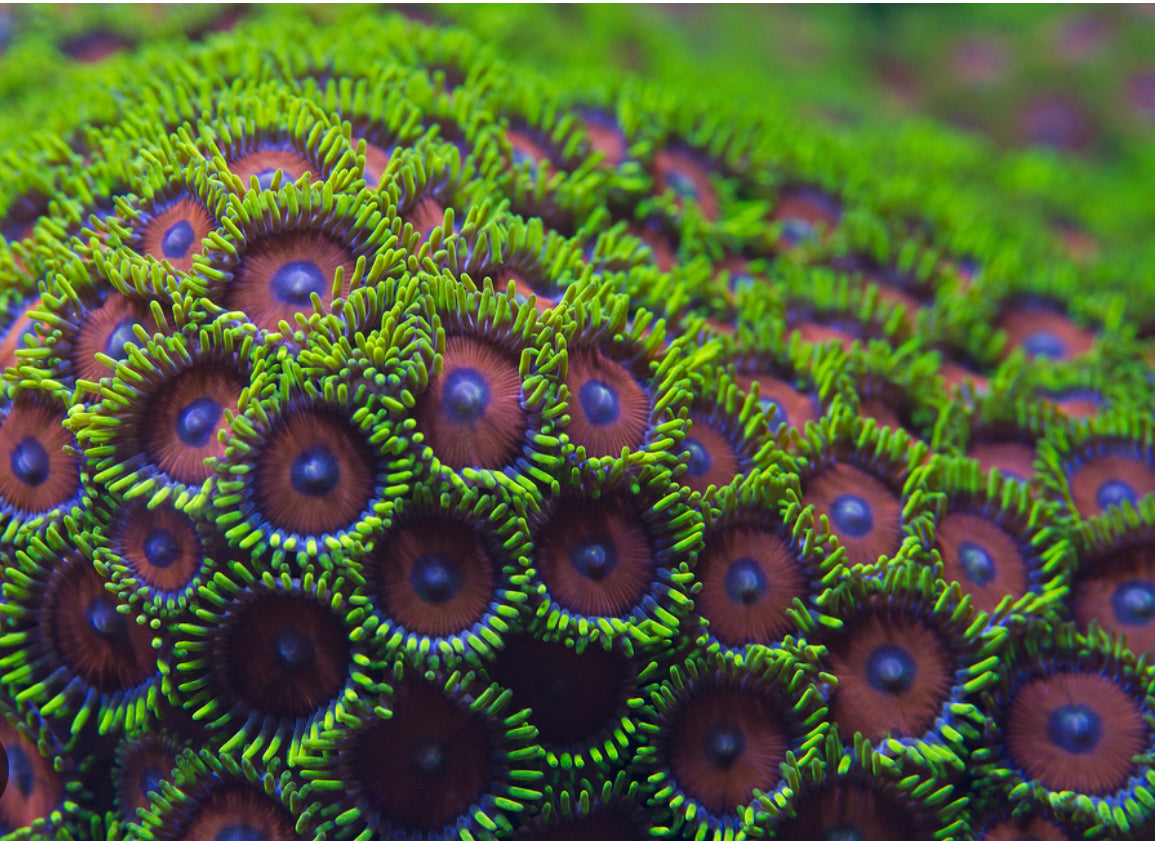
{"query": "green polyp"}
pixel 93 151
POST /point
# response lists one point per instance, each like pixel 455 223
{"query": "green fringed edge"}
pixel 1108 380
pixel 876 251
pixel 761 347
pixel 29 183
pixel 939 807
pixel 1064 285
pixel 196 667
pixel 504 535
pixel 272 113
pixel 166 179
pixel 822 295
pixel 902 379
pixel 160 607
pixel 600 759
pixel 15 304
pixel 18 527
pixel 515 792
pixel 768 499
pixel 537 261
pixel 726 146
pixel 569 802
pixel 93 827
pixel 66 817
pixel 1125 431
pixel 17 278
pixel 109 430
pixel 817 170
pixel 664 371
pixel 374 107
pixel 890 455
pixel 625 103
pixel 452 58
pixel 1007 413
pixel 1059 647
pixel 685 296
pixel 1123 372
pixel 976 647
pixel 539 107
pixel 35 672
pixel 617 242
pixel 83 188
pixel 788 676
pixel 674 529
pixel 954 484
pixel 567 187
pixel 721 405
pixel 968 347
pixel 73 287
pixel 227 497
pixel 355 222
pixel 1120 530
pixel 379 341
pixel 460 311
pixel 199 775
pixel 434 169
pixel 152 736
pixel 456 114
pixel 161 116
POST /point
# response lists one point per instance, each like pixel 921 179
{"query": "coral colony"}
pixel 399 444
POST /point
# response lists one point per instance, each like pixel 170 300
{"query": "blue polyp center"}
pixel 1115 492
pixel 315 471
pixel 428 758
pixel 20 770
pixel 599 402
pixel 197 421
pixel 795 231
pixel 29 462
pixel 161 548
pixel 294 283
pixel 465 396
pixel 699 462
pixel 119 338
pixel 178 240
pixel 103 618
pixel 1076 728
pixel 682 184
pixel 293 651
pixel 741 280
pixel 265 177
pixel 851 515
pixel 745 582
pixel 150 780
pixel 1133 602
pixel 435 577
pixel 594 558
pixel 520 157
pixel 240 832
pixel 976 562
pixel 775 414
pixel 1044 343
pixel 843 832
pixel 890 669
pixel 723 744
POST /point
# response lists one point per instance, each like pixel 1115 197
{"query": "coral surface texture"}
pixel 402 440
